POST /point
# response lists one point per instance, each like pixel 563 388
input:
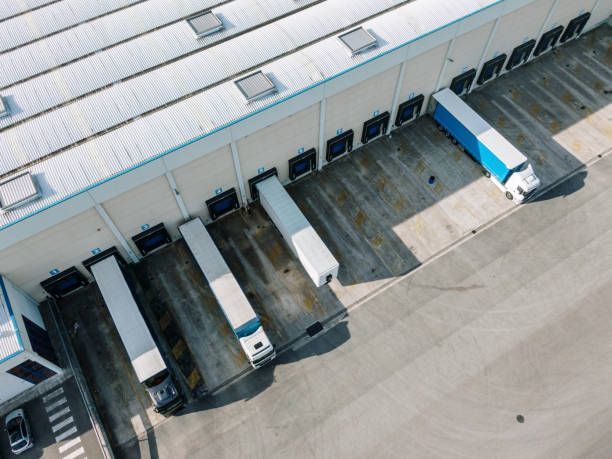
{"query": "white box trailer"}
pixel 301 237
pixel 235 306
pixel 148 364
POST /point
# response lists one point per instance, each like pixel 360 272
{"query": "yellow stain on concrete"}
pixel 359 219
pixel 399 204
pixel 341 198
pixel 555 126
pixel 274 252
pixel 381 184
pixel 179 348
pixel 535 109
pixel 520 139
pixel 194 378
pixel 576 146
pixel 165 320
pixel 437 188
pixel 501 121
pixel 420 166
pixel 377 240
pixel 567 97
pixel 309 302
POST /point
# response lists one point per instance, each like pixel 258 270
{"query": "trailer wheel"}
pixel 454 141
pixel 486 173
pixel 509 195
pixel 439 126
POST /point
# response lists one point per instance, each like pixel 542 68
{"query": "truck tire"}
pixel 486 173
pixel 509 195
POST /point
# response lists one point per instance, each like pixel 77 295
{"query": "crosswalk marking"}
pixel 69 444
pixel 65 434
pixel 53 394
pixel 62 424
pixel 54 405
pixel 75 453
pixel 59 414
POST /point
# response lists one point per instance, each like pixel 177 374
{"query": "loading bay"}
pixel 383 211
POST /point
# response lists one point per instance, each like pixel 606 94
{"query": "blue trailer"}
pixel 508 167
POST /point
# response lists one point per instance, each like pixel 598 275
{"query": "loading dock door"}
pixel 409 110
pixel 299 235
pixel 575 26
pixel 375 127
pixel 342 143
pixel 302 164
pixel 461 83
pixel 491 69
pixel 520 54
pixel 223 203
pixel 548 40
pixel 152 239
pixel 64 283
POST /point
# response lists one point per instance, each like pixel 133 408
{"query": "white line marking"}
pixel 75 453
pixel 69 444
pixel 59 414
pixel 65 434
pixel 53 394
pixel 62 424
pixel 54 405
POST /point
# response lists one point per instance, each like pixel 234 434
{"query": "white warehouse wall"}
pixel 198 180
pixel 147 204
pixel 23 304
pixel 274 145
pixel 566 10
pixel 10 385
pixel 66 244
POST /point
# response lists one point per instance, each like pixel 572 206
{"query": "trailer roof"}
pixel 133 330
pixel 95 89
pixel 496 142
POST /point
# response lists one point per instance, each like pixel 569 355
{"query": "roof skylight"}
pixel 205 24
pixel 3 108
pixel 358 40
pixel 17 191
pixel 255 86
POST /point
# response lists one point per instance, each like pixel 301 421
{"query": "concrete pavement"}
pixel 514 322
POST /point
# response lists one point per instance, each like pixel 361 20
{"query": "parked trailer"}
pixel 238 311
pixel 507 167
pixel 144 355
pixel 301 237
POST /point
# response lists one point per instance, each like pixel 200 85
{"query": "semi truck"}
pixel 235 306
pixel 147 361
pixel 507 167
pixel 298 233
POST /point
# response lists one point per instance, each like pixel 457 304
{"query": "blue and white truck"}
pixel 507 167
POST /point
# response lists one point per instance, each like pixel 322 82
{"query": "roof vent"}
pixel 205 24
pixel 255 86
pixel 4 111
pixel 17 191
pixel 358 40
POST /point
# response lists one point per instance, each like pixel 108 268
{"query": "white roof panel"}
pixel 196 96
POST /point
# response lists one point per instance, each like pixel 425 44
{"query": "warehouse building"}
pixel 119 120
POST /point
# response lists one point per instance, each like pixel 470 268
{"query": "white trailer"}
pixel 235 306
pixel 148 364
pixel 301 237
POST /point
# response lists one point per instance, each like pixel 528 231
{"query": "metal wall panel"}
pixel 274 145
pixel 198 180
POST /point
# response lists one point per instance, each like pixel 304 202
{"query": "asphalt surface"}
pixel 60 426
pixel 500 348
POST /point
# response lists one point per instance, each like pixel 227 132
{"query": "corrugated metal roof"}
pixel 195 96
pixel 10 340
pixel 15 8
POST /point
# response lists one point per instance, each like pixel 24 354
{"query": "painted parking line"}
pixel 76 453
pixel 52 395
pixel 54 405
pixel 65 434
pixel 69 444
pixel 61 425
pixel 55 416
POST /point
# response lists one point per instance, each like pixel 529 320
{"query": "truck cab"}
pixel 164 393
pixel 255 343
pixel 522 183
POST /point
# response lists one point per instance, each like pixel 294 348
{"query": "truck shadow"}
pixel 565 188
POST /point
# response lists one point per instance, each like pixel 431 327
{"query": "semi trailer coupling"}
pixel 507 167
pixel 148 364
pixel 235 306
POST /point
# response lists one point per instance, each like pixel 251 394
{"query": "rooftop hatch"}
pixel 3 108
pixel 205 24
pixel 357 40
pixel 17 191
pixel 255 85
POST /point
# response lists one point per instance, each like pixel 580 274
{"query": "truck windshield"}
pixel 157 379
pixel 248 328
